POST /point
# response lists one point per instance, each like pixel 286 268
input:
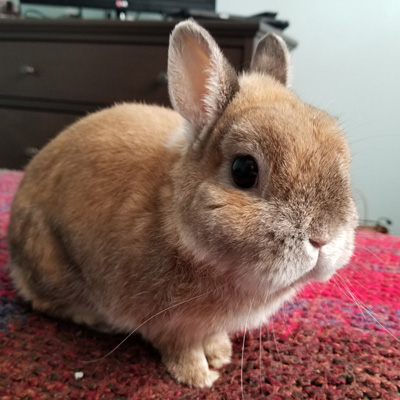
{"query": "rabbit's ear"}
pixel 272 58
pixel 201 80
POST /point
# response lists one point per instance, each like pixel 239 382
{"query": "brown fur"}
pixel 130 219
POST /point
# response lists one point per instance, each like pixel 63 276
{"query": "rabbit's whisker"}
pixel 275 341
pixel 260 359
pixel 244 340
pixel 149 319
pixel 365 310
pixel 369 251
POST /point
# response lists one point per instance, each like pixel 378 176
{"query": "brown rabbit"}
pixel 187 226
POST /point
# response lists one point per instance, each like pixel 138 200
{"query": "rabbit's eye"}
pixel 244 171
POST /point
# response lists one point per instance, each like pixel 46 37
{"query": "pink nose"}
pixel 318 243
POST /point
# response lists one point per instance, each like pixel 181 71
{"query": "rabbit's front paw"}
pixel 218 349
pixel 191 368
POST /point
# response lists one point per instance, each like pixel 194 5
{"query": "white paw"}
pixel 218 350
pixel 219 361
pixel 208 380
pixel 191 369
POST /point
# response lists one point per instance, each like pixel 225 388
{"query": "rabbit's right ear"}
pixel 201 80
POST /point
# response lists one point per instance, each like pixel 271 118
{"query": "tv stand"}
pixel 265 17
pixel 55 71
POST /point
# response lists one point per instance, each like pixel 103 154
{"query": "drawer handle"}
pixel 31 151
pixel 28 70
pixel 162 78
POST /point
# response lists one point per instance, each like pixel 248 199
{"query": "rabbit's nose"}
pixel 318 242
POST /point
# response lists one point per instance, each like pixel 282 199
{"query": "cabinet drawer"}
pixel 95 73
pixel 83 72
pixel 24 132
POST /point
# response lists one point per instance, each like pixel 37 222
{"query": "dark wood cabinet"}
pixel 53 72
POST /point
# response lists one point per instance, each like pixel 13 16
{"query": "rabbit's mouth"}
pixel 310 263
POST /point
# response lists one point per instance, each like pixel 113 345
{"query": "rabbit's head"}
pixel 262 191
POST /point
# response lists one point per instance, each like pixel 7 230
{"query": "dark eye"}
pixel 244 171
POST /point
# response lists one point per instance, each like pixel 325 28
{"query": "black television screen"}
pixel 165 6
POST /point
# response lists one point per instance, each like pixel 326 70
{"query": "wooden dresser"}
pixel 53 72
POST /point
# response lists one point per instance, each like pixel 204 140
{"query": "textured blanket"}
pixel 338 340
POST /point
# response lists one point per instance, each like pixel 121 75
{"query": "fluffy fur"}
pixel 130 218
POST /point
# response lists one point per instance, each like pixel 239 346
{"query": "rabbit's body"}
pixel 130 219
pixel 85 184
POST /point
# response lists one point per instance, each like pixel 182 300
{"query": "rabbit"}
pixel 188 224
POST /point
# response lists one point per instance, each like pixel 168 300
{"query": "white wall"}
pixel 348 63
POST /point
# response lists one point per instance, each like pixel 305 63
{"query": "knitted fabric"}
pixel 336 340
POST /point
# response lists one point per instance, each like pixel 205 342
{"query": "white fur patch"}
pixel 179 139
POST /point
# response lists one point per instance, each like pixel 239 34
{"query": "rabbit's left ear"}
pixel 272 58
pixel 201 80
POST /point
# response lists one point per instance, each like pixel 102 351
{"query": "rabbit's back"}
pixel 123 144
